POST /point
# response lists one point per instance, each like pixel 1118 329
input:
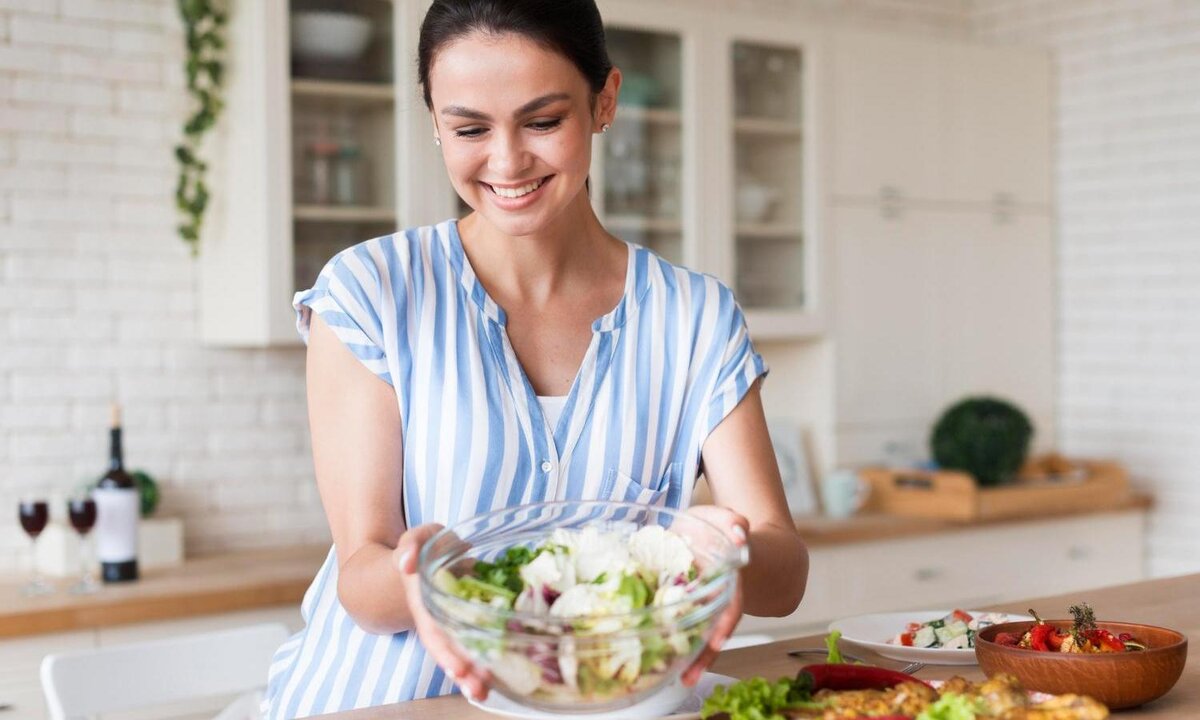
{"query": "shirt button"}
pixel 546 466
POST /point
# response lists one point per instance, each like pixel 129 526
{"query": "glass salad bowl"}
pixel 581 607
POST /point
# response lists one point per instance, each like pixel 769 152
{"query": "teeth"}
pixel 518 191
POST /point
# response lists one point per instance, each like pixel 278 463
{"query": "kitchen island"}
pixel 1170 602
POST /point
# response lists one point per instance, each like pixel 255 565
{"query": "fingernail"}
pixel 739 533
pixel 402 563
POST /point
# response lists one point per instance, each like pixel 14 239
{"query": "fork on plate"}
pixel 908 669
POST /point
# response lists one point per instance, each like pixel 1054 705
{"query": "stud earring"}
pixel 437 141
pixel 604 128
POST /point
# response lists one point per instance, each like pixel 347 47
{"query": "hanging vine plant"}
pixel 204 26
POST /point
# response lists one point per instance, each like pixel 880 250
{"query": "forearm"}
pixel 371 590
pixel 773 583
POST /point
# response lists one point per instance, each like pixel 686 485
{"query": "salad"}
pixel 576 630
pixel 955 631
pixel 1082 637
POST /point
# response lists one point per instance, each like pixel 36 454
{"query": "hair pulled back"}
pixel 570 27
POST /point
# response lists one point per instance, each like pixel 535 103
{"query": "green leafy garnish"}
pixel 760 699
pixel 506 571
pixel 953 706
pixel 1085 621
pixel 835 654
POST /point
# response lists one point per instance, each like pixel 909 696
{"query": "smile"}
pixel 519 191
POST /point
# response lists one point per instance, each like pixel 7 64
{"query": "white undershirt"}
pixel 552 408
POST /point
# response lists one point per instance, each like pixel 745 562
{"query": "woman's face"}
pixel 516 124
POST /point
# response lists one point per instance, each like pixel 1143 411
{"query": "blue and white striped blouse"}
pixel 664 367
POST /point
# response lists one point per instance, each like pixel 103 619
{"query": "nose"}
pixel 509 157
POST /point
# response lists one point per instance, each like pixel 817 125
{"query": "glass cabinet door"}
pixel 639 164
pixel 342 128
pixel 768 198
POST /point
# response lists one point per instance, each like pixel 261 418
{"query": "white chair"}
pixel 83 683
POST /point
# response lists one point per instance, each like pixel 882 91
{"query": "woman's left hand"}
pixel 738 529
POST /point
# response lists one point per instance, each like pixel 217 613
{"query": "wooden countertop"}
pixel 1170 602
pixel 820 531
pixel 263 578
pixel 215 584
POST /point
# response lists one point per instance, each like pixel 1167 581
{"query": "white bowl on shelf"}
pixel 329 34
pixel 755 203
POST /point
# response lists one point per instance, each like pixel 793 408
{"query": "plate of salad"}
pixel 936 637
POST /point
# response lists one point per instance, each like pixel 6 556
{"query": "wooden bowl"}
pixel 1119 680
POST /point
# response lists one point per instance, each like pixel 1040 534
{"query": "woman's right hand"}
pixel 473 681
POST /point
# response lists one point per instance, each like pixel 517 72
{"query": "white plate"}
pixel 873 631
pixel 685 709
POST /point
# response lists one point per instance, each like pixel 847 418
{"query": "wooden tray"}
pixel 953 495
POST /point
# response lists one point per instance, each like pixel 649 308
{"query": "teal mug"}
pixel 843 492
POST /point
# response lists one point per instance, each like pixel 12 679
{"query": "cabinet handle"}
pixel 927 574
pixel 1079 552
pixel 891 202
pixel 1004 207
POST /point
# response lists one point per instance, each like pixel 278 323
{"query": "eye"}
pixel 469 132
pixel 544 125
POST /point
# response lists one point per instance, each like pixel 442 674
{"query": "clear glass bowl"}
pixel 576 665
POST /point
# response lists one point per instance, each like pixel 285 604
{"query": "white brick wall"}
pixel 98 296
pixel 1129 236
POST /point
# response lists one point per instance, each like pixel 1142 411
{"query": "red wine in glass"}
pixel 82 512
pixel 34 515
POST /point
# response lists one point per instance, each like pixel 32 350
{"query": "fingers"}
pixel 723 627
pixel 409 546
pixel 471 680
pixel 734 524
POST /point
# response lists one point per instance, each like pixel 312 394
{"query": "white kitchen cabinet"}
pixel 966 568
pixel 996 297
pixel 998 125
pixel 941 238
pixel 928 119
pixel 935 304
pixel 886 132
pixel 712 158
pixel 885 327
pixel 308 159
pixel 666 175
pixel 21 658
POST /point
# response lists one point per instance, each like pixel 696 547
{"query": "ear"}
pixel 606 101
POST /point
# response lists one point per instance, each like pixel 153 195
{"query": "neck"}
pixel 535 268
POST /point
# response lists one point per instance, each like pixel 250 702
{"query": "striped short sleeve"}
pixel 740 364
pixel 346 296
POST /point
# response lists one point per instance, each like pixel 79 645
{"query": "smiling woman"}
pixel 525 355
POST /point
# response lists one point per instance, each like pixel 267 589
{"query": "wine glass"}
pixel 82 512
pixel 34 515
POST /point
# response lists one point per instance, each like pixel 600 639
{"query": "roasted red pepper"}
pixel 1105 641
pixel 855 677
pixel 1045 637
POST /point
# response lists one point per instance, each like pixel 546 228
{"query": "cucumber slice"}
pixel 925 637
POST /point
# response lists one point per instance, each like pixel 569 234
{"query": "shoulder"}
pixel 392 261
pixel 680 292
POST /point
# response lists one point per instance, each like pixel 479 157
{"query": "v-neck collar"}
pixel 558 441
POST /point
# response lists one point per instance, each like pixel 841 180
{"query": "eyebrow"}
pixel 531 106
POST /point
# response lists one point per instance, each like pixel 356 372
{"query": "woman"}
pixel 522 354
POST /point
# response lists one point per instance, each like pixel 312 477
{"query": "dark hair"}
pixel 570 27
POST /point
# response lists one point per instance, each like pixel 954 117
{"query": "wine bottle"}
pixel 118 507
